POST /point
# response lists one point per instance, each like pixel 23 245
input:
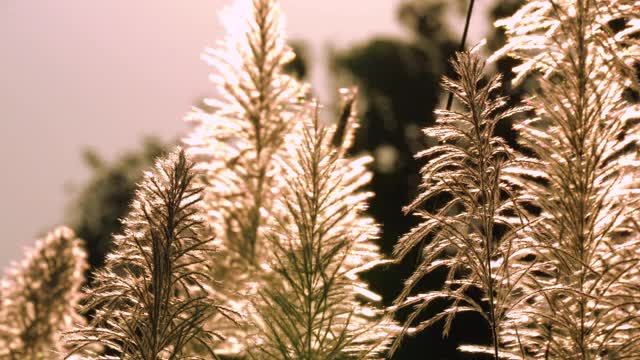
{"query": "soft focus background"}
pixel 102 74
pixel 85 83
pixel 78 73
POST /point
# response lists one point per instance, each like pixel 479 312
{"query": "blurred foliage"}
pixel 97 208
pixel 399 83
pixel 299 66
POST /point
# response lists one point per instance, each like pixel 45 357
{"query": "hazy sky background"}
pixel 102 74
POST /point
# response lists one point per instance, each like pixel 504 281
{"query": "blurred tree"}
pixel 399 82
pixel 299 66
pixel 96 210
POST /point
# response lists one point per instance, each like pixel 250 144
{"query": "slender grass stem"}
pixel 463 41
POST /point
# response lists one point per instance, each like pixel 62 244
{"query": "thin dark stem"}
pixel 582 173
pixel 462 42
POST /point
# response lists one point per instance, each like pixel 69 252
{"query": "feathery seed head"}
pixel 40 297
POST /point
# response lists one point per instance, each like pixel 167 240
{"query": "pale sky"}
pixel 102 74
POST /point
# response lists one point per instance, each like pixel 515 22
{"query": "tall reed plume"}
pixel 473 230
pixel 235 146
pixel 40 297
pixel 316 307
pixel 587 295
pixel 150 301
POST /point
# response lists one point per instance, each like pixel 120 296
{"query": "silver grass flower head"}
pixel 234 149
pixel 581 299
pixel 475 233
pixel 235 144
pixel 40 297
pixel 152 299
pixel 542 32
pixel 316 306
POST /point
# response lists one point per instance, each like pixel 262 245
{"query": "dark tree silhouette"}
pixel 400 88
pixel 96 211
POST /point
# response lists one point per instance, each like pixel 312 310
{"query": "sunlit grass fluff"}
pixel 473 231
pixel 40 297
pixel 235 144
pixel 151 300
pixel 587 298
pixel 234 147
pixel 315 306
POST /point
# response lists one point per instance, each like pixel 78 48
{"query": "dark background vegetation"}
pixel 399 90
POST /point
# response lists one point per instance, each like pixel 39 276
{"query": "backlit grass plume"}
pixel 235 146
pixel 473 230
pixel 40 296
pixel 315 306
pixel 581 52
pixel 150 300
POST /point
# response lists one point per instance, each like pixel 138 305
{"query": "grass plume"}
pixel 316 307
pixel 586 298
pixel 150 299
pixel 473 233
pixel 40 298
